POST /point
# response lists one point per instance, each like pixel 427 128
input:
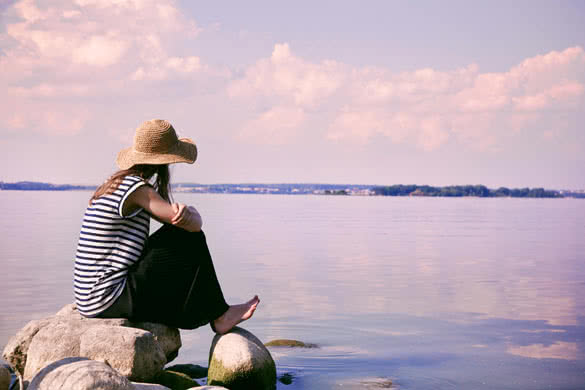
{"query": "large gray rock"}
pixel 44 341
pixel 79 374
pixel 168 338
pixel 132 352
pixel 239 360
pixel 55 341
pixel 5 378
pixel 15 351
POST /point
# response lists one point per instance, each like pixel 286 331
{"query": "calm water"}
pixel 443 293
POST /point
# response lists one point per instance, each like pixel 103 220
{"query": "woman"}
pixel 168 277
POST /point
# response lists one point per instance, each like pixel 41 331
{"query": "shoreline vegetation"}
pixel 480 191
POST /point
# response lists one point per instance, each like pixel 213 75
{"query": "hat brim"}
pixel 185 151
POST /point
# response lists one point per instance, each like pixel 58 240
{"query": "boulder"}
pixel 238 360
pixel 55 341
pixel 15 351
pixel 79 374
pixel 5 378
pixel 44 341
pixel 168 338
pixel 132 352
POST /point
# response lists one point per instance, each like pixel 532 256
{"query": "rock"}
pixel 286 379
pixel 148 386
pixel 79 374
pixel 238 360
pixel 290 343
pixel 69 311
pixel 175 380
pixel 168 338
pixel 132 352
pixel 42 342
pixel 5 378
pixel 55 341
pixel 193 370
pixel 16 350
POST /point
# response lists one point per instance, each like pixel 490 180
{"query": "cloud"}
pixel 87 49
pixel 287 76
pixel 100 50
pixel 273 126
pixel 423 107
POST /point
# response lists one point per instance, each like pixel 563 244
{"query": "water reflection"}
pixel 558 350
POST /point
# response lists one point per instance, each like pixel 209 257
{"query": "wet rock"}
pixel 238 360
pixel 193 370
pixel 79 374
pixel 5 378
pixel 132 352
pixel 290 343
pixel 175 380
pixel 286 379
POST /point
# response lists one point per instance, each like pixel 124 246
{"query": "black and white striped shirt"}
pixel 109 244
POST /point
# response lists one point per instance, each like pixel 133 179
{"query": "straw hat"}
pixel 156 142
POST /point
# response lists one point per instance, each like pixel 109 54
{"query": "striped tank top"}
pixel 109 244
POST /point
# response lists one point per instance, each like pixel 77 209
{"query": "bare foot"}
pixel 234 315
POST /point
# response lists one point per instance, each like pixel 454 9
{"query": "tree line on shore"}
pixel 467 190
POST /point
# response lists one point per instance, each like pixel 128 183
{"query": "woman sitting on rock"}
pixel 168 277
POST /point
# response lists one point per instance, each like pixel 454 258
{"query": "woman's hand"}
pixel 181 214
pixel 186 217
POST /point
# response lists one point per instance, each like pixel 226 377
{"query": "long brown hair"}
pixel 145 171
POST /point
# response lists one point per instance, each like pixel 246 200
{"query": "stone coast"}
pixel 68 351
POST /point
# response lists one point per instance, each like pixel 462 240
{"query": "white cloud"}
pixel 424 107
pixel 64 35
pixel 100 50
pixel 275 126
pixel 90 49
pixel 287 76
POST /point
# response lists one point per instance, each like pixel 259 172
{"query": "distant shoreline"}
pixel 479 191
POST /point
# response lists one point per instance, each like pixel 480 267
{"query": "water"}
pixel 431 293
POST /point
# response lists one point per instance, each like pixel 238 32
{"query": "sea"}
pixel 426 293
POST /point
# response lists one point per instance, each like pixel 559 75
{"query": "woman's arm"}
pixel 177 214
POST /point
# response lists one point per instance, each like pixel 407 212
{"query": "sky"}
pixel 376 92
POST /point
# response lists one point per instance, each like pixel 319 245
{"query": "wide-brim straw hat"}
pixel 156 142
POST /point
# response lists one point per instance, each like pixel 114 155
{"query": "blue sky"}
pixel 378 92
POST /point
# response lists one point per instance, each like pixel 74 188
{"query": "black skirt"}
pixel 173 283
